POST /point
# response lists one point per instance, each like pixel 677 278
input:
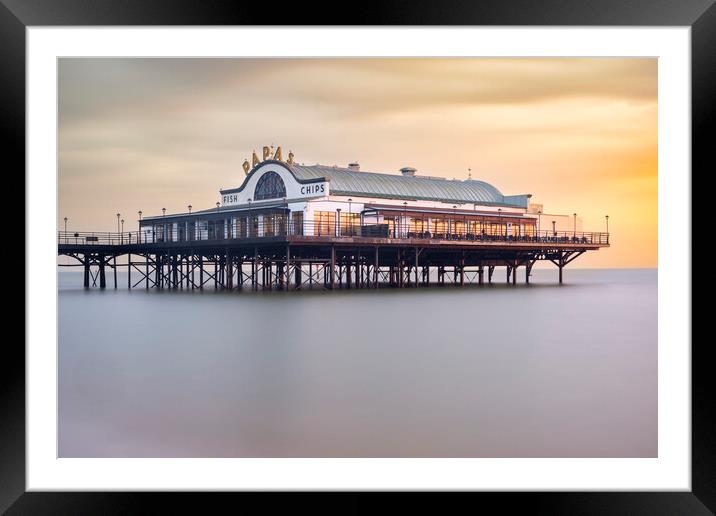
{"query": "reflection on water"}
pixel 494 371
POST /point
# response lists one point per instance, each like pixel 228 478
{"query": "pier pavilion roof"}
pixel 397 186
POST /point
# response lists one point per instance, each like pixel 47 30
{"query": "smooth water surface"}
pixel 537 370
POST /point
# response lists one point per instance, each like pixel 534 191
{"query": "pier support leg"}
pixel 129 271
pixel 333 267
pixel 462 272
pixel 254 270
pixel 481 274
pixel 288 267
pixel 201 272
pixel 103 280
pixel 528 270
pixel 490 272
pixel 175 272
pixel 417 253
pixel 114 268
pixel 375 269
pixel 86 264
pixel 229 270
pixel 191 267
pixel 297 275
pixel 514 274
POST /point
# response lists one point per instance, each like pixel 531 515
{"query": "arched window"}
pixel 269 186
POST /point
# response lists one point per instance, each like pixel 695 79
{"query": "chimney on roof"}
pixel 408 171
pixel 355 166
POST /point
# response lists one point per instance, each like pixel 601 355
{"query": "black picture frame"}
pixel 16 15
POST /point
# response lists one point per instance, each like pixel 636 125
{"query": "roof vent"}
pixel 355 166
pixel 408 171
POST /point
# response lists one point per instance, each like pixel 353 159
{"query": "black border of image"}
pixel 16 15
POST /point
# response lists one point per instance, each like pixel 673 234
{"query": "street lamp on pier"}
pixel 189 208
pixel 607 217
pixel 539 220
pixel 250 224
pixel 118 215
pixel 139 227
pixel 350 215
pixel 405 218
pixel 554 229
pixel 575 225
pixel 65 230
pixel 337 230
pixel 499 218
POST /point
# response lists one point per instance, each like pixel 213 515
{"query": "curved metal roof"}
pixel 374 184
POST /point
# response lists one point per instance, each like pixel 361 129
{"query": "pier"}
pixel 293 227
pixel 292 257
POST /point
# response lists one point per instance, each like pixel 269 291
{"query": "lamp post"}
pixel 350 215
pixel 539 220
pixel 216 232
pixel 118 215
pixel 65 230
pixel 606 216
pixel 139 227
pixel 250 224
pixel 451 222
pixel 499 217
pixel 286 217
pixel 121 233
pixel 189 208
pixel 554 229
pixel 575 225
pixel 405 218
pixel 337 229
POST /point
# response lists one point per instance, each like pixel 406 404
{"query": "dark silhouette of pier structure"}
pixel 287 258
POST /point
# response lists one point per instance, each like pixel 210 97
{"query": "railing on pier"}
pixel 169 234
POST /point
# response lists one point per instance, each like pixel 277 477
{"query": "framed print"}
pixel 441 250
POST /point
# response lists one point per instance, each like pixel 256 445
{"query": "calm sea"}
pixel 536 370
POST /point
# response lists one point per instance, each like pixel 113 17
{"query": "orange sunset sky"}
pixel 580 135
